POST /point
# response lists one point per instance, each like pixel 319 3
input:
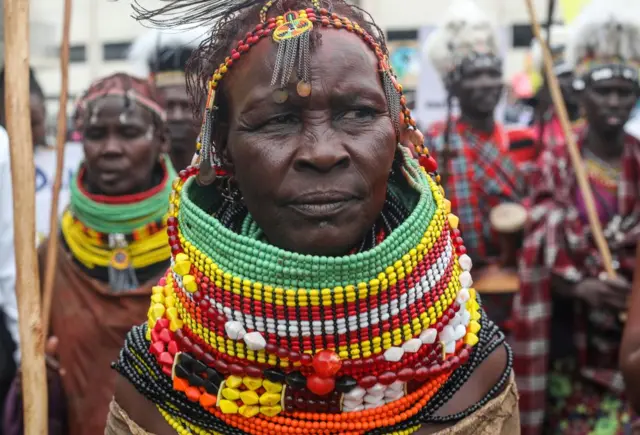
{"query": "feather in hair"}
pixel 606 30
pixel 155 48
pixel 466 29
pixel 189 13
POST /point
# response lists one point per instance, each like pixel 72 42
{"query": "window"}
pixel 77 53
pixel 522 35
pixel 116 50
pixel 402 35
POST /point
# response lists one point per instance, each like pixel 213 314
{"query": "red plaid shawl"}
pixel 559 242
pixel 481 176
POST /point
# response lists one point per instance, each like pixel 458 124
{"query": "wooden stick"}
pixel 52 243
pixel 574 153
pixel 34 385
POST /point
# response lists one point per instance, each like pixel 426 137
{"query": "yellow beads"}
pixel 453 220
pixel 243 394
pixel 189 283
pixel 182 264
pixel 228 407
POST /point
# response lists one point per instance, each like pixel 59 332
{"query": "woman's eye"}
pixel 95 133
pixel 131 132
pixel 283 119
pixel 357 114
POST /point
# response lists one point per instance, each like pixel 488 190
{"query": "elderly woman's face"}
pixel 120 156
pixel 607 104
pixel 313 171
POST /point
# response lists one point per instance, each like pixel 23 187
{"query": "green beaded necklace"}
pixel 255 260
pixel 121 218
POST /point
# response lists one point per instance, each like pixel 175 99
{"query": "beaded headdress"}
pixel 605 42
pixel 558 43
pixel 131 90
pixel 466 35
pixel 162 55
pixel 244 337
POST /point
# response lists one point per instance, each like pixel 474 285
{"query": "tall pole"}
pixel 574 153
pixel 18 120
pixel 52 243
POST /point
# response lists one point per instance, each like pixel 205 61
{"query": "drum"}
pixel 497 283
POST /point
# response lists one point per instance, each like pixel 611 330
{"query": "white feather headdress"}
pixel 606 33
pixel 148 50
pixel 558 38
pixel 466 31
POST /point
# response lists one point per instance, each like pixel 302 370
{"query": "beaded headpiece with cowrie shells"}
pixel 466 35
pixel 246 338
pixel 604 42
pixel 162 55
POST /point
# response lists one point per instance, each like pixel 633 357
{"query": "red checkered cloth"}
pixel 558 242
pixel 480 176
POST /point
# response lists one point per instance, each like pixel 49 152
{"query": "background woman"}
pixel 318 281
pixel 113 242
pixel 567 314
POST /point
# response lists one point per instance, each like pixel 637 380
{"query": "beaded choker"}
pixel 244 337
pixel 121 233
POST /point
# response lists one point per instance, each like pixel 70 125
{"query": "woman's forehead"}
pixel 339 60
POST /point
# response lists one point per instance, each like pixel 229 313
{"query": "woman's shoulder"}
pixel 138 409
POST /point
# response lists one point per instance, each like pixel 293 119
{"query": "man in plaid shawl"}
pixel 566 329
pixel 478 156
pixel 471 150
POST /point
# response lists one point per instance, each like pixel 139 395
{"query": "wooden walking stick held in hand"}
pixel 18 118
pixel 52 247
pixel 574 153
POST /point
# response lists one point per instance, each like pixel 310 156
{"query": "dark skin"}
pixel 38 119
pixel 630 349
pixel 183 128
pixel 120 157
pixel 479 92
pixel 340 139
pixel 607 105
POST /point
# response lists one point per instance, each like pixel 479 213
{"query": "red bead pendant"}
pixel 320 386
pixel 428 163
pixel 326 363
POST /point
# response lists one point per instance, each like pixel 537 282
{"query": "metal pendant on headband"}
pixel 207 172
pixel 294 42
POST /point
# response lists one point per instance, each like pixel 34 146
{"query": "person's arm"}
pixel 7 265
pixel 630 349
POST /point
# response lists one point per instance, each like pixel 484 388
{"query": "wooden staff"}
pixel 18 118
pixel 574 153
pixel 52 243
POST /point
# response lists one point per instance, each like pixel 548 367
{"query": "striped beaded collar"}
pixel 244 329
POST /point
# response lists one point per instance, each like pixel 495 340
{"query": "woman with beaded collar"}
pixel 319 283
pixel 112 248
pixel 567 330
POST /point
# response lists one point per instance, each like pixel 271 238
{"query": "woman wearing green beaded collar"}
pixel 319 283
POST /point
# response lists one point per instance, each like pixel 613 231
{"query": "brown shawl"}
pixel 90 323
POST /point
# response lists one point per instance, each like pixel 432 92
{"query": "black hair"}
pixel 34 89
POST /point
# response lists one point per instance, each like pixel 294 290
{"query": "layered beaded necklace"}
pixel 119 234
pixel 243 336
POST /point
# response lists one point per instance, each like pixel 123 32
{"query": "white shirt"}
pixel 8 302
pixel 45 163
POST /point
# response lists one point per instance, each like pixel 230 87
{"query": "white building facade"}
pixel 102 30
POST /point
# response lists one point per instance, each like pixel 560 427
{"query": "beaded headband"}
pixel 594 70
pixel 291 31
